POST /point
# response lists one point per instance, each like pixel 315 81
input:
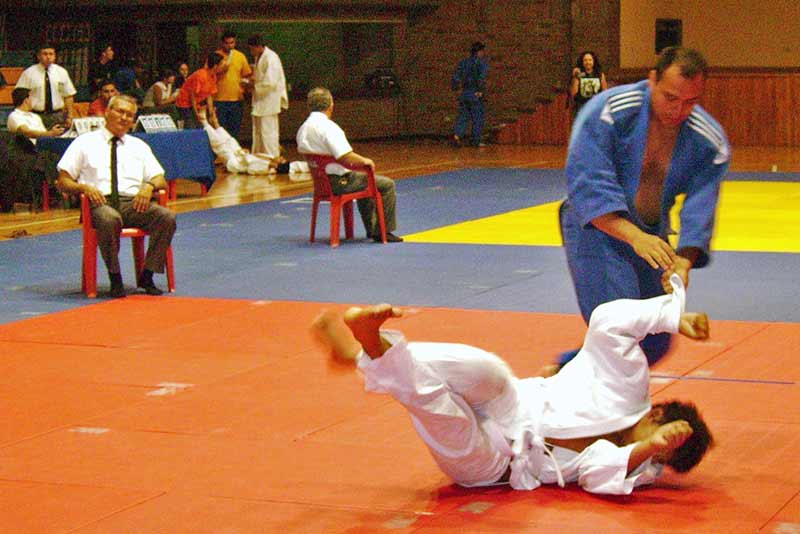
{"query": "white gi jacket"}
pixel 269 89
pixel 477 419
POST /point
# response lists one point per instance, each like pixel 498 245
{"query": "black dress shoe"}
pixel 150 288
pixel 117 291
pixel 390 238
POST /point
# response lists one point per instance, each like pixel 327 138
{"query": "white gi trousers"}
pixel 266 138
pixel 454 394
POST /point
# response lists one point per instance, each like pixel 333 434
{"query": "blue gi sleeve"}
pixel 593 187
pixel 700 206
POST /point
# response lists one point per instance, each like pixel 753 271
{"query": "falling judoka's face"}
pixel 673 97
pixel 648 426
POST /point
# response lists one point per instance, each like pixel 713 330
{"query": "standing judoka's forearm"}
pixel 654 250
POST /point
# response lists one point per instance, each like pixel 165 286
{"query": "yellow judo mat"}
pixel 752 217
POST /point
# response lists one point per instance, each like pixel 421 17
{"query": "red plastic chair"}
pixel 137 235
pixel 45 196
pixel 341 204
pixel 172 189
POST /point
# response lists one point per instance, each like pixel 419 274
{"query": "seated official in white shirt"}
pixel 22 120
pixel 86 167
pixel 320 135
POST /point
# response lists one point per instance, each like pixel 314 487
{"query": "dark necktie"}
pixel 114 178
pixel 48 95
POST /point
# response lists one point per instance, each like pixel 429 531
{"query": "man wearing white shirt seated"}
pixel 593 423
pixel 118 173
pixel 22 120
pixel 320 135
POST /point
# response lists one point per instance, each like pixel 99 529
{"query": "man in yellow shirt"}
pixel 230 91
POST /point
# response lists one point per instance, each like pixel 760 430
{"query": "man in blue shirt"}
pixel 633 150
pixel 470 78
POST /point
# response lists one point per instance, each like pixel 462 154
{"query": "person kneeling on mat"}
pixel 592 423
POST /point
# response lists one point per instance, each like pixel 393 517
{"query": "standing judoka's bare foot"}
pixel 365 324
pixel 694 325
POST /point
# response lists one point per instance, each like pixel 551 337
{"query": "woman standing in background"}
pixel 587 79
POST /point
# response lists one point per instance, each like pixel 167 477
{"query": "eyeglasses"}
pixel 124 113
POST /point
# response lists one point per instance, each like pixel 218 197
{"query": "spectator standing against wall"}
pixel 230 92
pixel 470 79
pixel 588 79
pixel 269 97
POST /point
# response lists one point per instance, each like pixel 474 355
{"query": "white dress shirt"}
pixel 88 160
pixel 19 118
pixel 60 85
pixel 320 135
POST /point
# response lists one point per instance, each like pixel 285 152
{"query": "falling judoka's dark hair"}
pixel 688 455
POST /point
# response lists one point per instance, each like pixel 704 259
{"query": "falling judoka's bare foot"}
pixel 329 329
pixel 365 323
pixel 694 325
pixel 345 335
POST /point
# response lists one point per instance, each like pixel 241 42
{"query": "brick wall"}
pixel 531 45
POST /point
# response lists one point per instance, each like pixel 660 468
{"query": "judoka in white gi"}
pixel 592 423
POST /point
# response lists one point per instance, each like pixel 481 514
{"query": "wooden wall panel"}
pixel 547 125
pixel 755 108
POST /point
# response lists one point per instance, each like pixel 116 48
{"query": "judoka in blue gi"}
pixel 470 78
pixel 633 150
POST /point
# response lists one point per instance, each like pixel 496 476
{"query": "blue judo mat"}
pixel 261 252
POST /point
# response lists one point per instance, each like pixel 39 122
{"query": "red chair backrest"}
pixel 317 164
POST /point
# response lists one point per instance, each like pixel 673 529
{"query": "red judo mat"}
pixel 198 415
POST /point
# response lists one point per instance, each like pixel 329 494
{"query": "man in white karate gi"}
pixel 592 423
pixel 269 97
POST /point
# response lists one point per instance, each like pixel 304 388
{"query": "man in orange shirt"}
pixel 230 92
pixel 196 99
pixel 108 89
